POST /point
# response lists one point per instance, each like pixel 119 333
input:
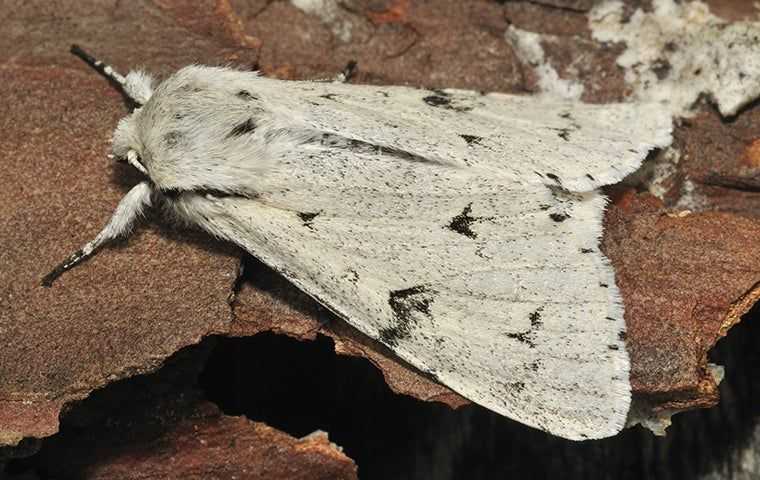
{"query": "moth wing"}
pixel 495 287
pixel 574 145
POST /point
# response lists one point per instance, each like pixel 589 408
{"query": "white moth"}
pixel 459 229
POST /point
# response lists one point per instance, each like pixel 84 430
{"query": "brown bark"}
pixel 686 278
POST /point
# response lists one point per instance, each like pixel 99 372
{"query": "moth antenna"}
pixel 107 71
pixel 104 69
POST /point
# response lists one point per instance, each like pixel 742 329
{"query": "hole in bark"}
pixel 300 387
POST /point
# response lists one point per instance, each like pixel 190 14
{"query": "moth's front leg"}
pixel 130 207
pixel 237 282
pixel 348 72
pixel 343 77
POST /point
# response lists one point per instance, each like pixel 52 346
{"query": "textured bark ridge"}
pixel 682 234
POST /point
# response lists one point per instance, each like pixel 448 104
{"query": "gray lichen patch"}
pixel 677 52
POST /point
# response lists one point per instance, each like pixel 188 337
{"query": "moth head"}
pixel 203 128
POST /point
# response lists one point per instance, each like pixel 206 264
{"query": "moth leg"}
pixel 324 319
pixel 237 283
pixel 348 72
pixel 130 207
pixel 345 75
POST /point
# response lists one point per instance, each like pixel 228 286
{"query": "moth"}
pixel 459 229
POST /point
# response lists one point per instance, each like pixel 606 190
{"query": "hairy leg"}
pixel 130 207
